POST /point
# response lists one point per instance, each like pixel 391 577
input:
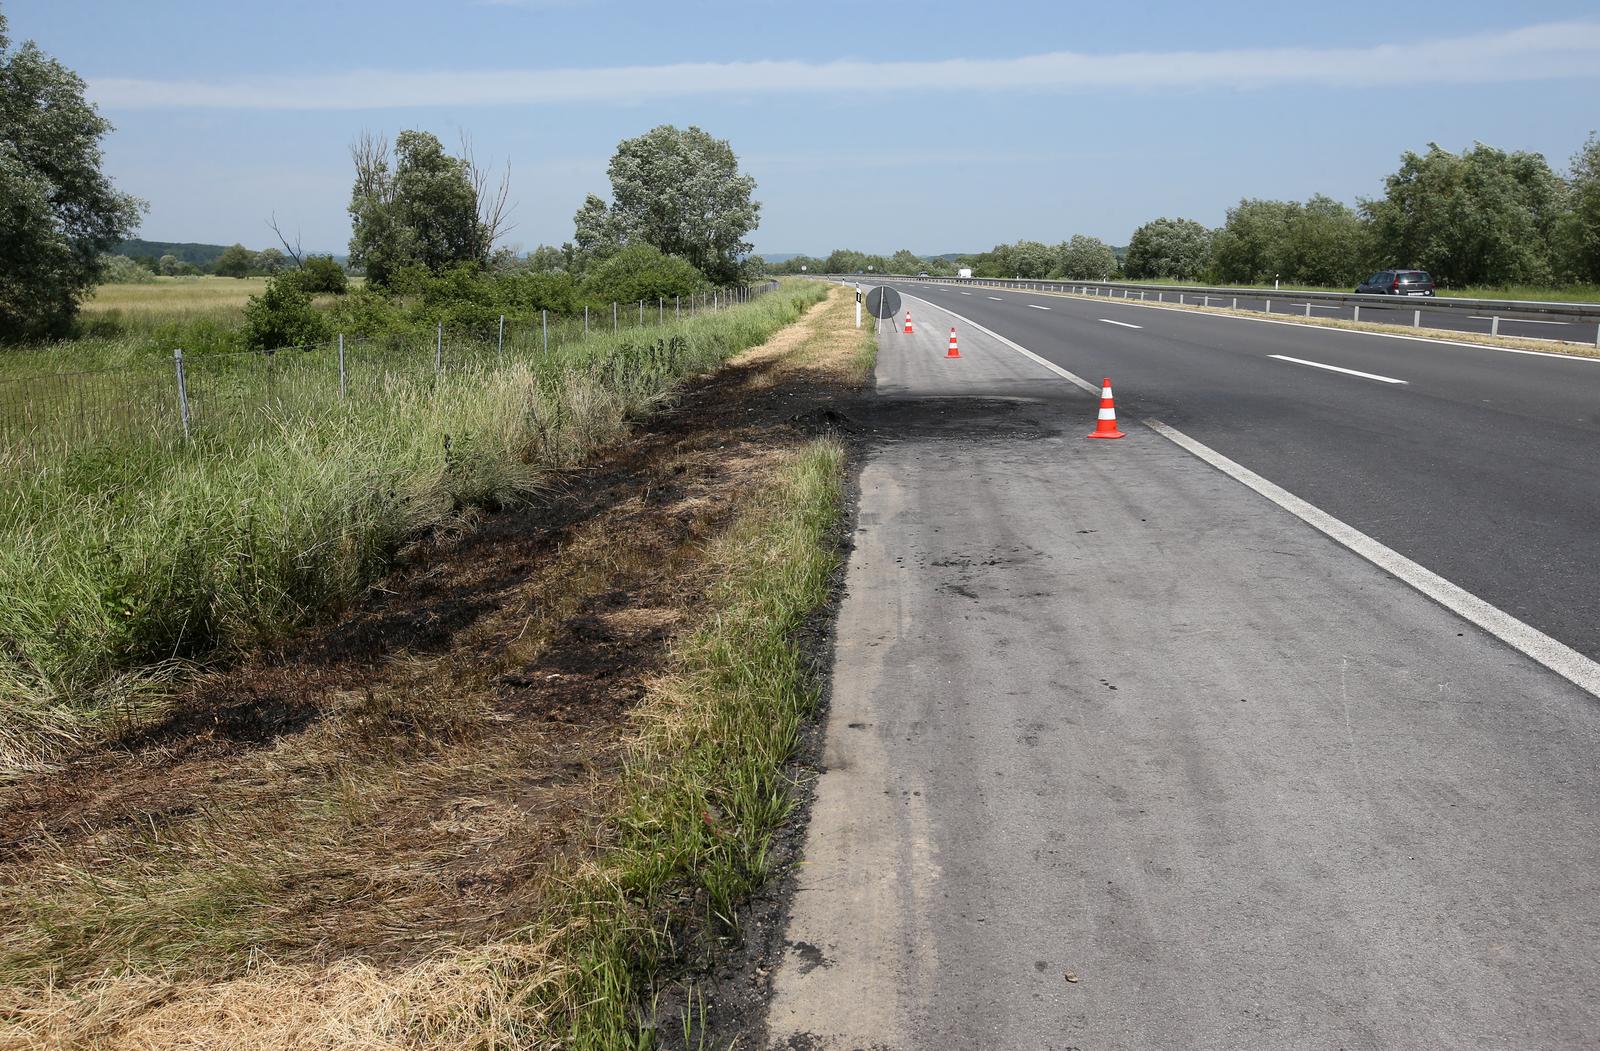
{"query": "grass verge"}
pixel 481 839
pixel 123 564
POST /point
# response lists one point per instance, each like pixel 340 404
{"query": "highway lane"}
pixel 1483 466
pixel 1121 756
pixel 1389 310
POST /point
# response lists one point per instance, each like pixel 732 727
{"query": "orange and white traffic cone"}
pixel 954 351
pixel 1106 427
pixel 908 322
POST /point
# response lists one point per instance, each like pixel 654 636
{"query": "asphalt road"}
pixel 1483 466
pixel 1100 711
pixel 1388 310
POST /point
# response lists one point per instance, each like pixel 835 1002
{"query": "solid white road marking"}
pixel 1335 368
pixel 1556 656
pixel 1173 307
pixel 1519 320
pixel 1122 324
pixel 1037 306
pixel 1072 378
pixel 1541 648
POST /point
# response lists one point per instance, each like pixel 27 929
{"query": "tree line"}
pixel 1481 217
pixel 425 224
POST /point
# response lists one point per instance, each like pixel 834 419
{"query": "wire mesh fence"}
pixel 193 394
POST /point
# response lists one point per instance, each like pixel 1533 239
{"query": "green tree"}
pixel 1483 216
pixel 680 191
pixel 996 262
pixel 418 207
pixel 1170 248
pixel 167 265
pixel 1327 244
pixel 120 270
pixel 1031 259
pixel 546 258
pixel 235 261
pixel 640 272
pixel 270 261
pixel 282 316
pixel 598 234
pixel 906 261
pixel 1253 245
pixel 1085 258
pixel 58 211
pixel 321 274
pixel 1580 227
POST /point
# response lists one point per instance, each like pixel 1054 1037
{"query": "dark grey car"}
pixel 1397 283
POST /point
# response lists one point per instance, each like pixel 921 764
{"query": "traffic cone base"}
pixel 954 351
pixel 1106 425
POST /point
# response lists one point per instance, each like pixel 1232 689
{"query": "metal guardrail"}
pixel 1510 309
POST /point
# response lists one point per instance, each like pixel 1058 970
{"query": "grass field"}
pixel 175 296
pixel 124 560
pixel 468 846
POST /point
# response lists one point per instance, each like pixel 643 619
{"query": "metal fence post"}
pixel 1356 314
pixel 613 315
pixel 677 307
pixel 1180 298
pixel 1494 326
pixel 1597 335
pixel 641 313
pixel 1308 308
pixel 1416 319
pixel 341 367
pixel 1207 302
pixel 1269 307
pixel 500 341
pixel 438 348
pixel 661 310
pixel 183 390
pixel 586 319
pixel 1236 302
pixel 544 327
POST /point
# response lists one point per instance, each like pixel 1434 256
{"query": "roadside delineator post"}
pixel 1106 425
pixel 908 322
pixel 954 351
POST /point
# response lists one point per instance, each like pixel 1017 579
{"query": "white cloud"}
pixel 1538 52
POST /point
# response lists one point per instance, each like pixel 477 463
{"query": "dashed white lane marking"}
pixel 966 293
pixel 1120 324
pixel 1518 320
pixel 1037 306
pixel 997 299
pixel 1556 656
pixel 1336 368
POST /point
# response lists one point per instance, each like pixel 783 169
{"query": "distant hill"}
pixel 201 255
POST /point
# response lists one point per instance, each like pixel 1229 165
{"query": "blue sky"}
pixel 936 126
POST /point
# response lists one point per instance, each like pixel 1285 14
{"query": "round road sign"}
pixel 883 302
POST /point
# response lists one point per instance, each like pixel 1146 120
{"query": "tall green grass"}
pixel 125 561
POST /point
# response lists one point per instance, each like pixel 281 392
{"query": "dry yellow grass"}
pixel 176 295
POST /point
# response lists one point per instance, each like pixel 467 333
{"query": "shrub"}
pixel 120 270
pixel 282 316
pixel 640 272
pixel 321 274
